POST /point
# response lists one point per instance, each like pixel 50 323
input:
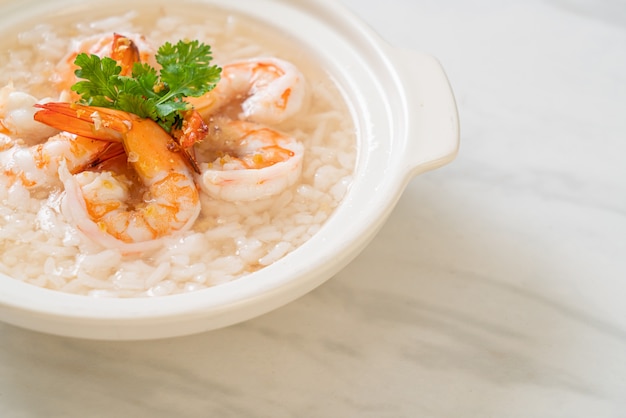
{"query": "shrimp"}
pixel 245 161
pixel 126 50
pixel 102 204
pixel 192 131
pixel 264 90
pixel 16 116
pixel 17 108
pixel 37 165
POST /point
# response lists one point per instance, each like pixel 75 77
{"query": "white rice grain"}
pixel 267 233
pixel 161 272
pixel 276 253
pixel 292 234
pixel 163 288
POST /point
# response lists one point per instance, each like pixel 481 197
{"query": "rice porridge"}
pixel 42 245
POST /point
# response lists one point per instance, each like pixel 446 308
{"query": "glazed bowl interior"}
pixel 394 134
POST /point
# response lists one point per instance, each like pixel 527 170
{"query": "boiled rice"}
pixel 229 240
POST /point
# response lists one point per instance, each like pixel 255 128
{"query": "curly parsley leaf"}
pixel 103 83
pixel 158 95
pixel 185 68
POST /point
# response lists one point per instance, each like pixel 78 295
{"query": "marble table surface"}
pixel 497 288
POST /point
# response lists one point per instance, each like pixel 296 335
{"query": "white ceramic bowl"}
pixel 407 124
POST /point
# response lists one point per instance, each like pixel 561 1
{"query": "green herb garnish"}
pixel 185 72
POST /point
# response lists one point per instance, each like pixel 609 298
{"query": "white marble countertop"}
pixel 496 289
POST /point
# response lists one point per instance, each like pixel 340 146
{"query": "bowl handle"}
pixel 432 121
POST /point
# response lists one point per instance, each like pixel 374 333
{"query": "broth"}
pixel 229 239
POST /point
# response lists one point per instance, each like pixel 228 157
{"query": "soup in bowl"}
pixel 277 171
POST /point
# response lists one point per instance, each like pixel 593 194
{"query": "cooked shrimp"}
pixel 37 165
pixel 16 116
pixel 128 50
pixel 243 161
pixel 192 131
pixel 264 90
pixel 17 108
pixel 125 49
pixel 100 204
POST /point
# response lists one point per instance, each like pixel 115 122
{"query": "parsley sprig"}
pixel 185 72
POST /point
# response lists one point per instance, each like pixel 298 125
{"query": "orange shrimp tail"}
pixel 90 122
pixel 108 157
pixel 193 130
pixel 125 52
